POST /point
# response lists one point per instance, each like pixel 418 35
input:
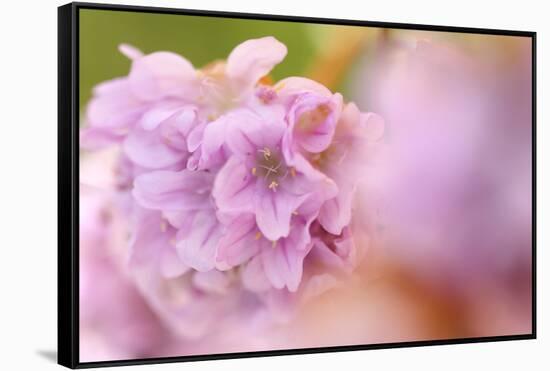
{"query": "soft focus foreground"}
pixel 222 211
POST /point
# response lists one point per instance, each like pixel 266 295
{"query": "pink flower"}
pixel 180 285
pixel 228 86
pixel 237 194
pixel 152 243
pixel 158 88
pixel 184 200
pixel 268 264
pixel 328 263
pixel 339 141
pixel 312 121
pixel 257 178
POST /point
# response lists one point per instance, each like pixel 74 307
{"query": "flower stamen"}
pixel 266 152
pixel 270 170
pixel 273 186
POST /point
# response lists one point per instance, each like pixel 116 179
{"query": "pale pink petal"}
pixel 240 242
pixel 184 120
pixel 175 129
pixel 312 121
pixel 197 247
pixel 193 161
pixel 96 138
pixel 194 138
pixel 213 138
pixel 160 75
pixel 274 210
pixel 299 85
pixel 170 190
pixel 182 220
pixel 335 213
pixel 151 150
pixel 251 131
pixel 349 120
pixel 113 87
pixel 114 106
pixel 155 116
pixel 234 187
pixel 309 180
pixel 130 51
pixel 150 245
pixel 283 263
pixel 253 59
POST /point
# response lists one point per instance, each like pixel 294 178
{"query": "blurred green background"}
pixel 199 39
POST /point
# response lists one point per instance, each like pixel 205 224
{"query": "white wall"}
pixel 28 182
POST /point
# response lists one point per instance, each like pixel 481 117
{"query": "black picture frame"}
pixel 68 191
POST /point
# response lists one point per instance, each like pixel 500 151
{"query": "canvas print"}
pixel 257 185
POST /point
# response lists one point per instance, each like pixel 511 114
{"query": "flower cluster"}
pixel 237 191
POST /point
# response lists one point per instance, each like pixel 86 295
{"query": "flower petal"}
pixel 161 74
pixel 234 187
pixel 274 210
pixel 251 131
pixel 312 121
pixel 130 51
pixel 176 128
pixel 149 149
pixel 335 213
pixel 240 242
pixel 114 106
pixel 95 138
pixel 299 85
pixel 213 138
pixel 309 180
pixel 198 246
pixel 337 252
pixel 283 264
pixel 170 190
pixel 253 59
pixel 155 116
pixel 150 245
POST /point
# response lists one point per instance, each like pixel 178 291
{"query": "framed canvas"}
pixel 241 185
